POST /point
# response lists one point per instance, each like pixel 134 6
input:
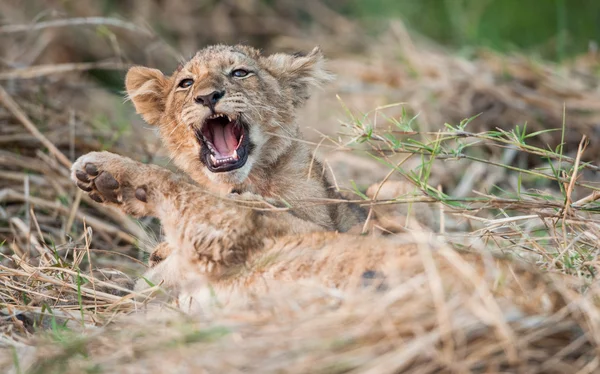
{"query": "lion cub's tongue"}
pixel 224 139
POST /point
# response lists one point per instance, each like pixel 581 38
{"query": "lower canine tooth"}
pixel 213 159
pixel 235 155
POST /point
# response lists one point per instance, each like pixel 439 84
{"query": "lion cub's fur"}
pixel 216 222
pixel 279 168
pixel 239 243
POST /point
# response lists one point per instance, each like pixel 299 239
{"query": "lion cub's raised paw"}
pixel 110 178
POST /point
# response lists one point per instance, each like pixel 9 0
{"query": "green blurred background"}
pixel 553 29
pixel 549 29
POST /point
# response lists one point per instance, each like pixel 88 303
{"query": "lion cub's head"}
pixel 228 109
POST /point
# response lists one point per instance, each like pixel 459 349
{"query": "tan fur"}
pixel 279 168
pixel 273 196
pixel 231 244
pixel 238 244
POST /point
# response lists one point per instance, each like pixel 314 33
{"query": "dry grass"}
pixel 482 186
pixel 438 313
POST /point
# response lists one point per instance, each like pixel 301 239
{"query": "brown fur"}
pixel 231 245
pixel 210 233
pixel 238 243
pixel 230 241
pixel 279 168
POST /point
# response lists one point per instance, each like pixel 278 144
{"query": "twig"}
pixel 374 198
pixel 16 111
pixel 22 227
pixel 31 270
pixel 580 150
pixel 11 195
pixel 45 70
pixel 96 21
pixel 73 212
pixel 595 195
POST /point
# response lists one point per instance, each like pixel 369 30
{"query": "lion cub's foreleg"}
pixel 207 229
pixel 135 188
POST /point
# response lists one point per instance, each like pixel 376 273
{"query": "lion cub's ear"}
pixel 298 72
pixel 147 89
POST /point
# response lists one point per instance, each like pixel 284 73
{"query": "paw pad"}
pixel 82 176
pixel 140 194
pixel 101 185
pixel 96 198
pixel 106 185
pixel 91 169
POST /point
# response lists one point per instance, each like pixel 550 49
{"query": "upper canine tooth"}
pixel 240 143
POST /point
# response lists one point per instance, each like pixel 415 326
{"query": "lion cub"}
pixel 228 118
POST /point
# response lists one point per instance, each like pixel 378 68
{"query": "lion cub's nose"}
pixel 211 99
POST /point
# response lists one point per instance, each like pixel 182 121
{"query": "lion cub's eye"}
pixel 185 83
pixel 239 73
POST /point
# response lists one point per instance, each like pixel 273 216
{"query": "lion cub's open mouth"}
pixel 224 143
